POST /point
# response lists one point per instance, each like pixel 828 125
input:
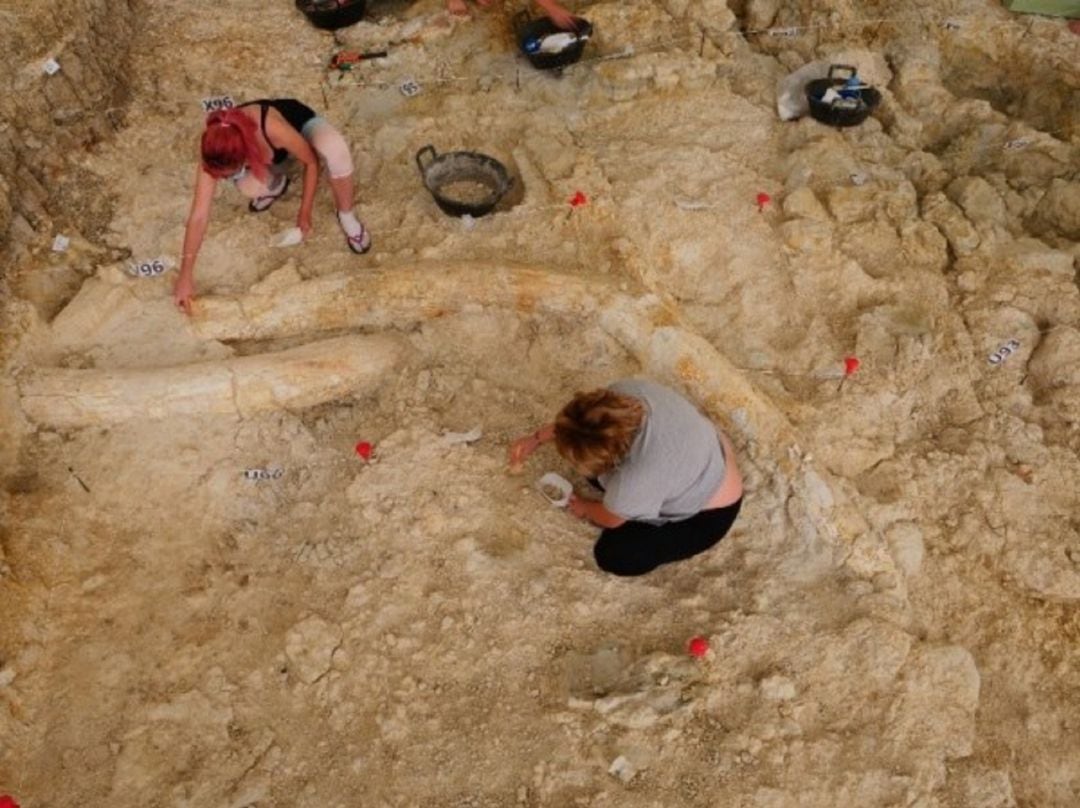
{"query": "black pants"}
pixel 634 548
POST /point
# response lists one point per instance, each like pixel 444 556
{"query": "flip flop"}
pixel 261 203
pixel 361 242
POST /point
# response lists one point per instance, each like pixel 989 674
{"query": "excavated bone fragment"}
pixel 295 378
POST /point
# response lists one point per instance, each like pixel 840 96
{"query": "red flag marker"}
pixel 364 449
pixel 697 647
pixel 763 200
pixel 851 364
pixel 576 201
pixel 8 802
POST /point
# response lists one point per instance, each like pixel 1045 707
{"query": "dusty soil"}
pixel 894 619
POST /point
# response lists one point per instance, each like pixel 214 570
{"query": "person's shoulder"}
pixel 633 385
pixel 646 389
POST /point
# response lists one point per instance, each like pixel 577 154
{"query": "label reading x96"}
pixel 216 102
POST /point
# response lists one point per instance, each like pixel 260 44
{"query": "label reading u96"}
pixel 1004 352
pixel 147 269
pixel 263 474
pixel 216 102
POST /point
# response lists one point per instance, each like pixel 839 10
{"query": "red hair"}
pixel 231 140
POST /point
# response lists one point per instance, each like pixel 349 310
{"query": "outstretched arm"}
pixel 194 232
pixel 524 446
pixel 594 511
pixel 559 15
pixel 282 134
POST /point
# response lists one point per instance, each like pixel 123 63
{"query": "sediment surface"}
pixel 210 600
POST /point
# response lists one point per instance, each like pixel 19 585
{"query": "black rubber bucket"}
pixel 332 14
pixel 833 114
pixel 526 28
pixel 481 181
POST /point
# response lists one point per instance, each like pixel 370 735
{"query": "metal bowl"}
pixel 835 115
pixel 443 170
pixel 332 14
pixel 526 28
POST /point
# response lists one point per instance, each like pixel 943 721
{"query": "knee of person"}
pixel 333 149
pixel 610 558
pixel 250 187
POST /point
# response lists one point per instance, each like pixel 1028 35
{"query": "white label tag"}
pixel 216 102
pixel 60 244
pixel 1017 144
pixel 789 31
pixel 1004 352
pixel 409 87
pixel 259 475
pixel 51 67
pixel 951 25
pixel 147 269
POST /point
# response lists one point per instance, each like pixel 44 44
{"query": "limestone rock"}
pixel 988 789
pixel 934 711
pixel 1048 563
pixel 961 235
pixel 873 244
pixel 761 13
pixel 906 545
pixel 622 768
pixel 859 203
pixel 979 199
pixel 1028 255
pixel 807 236
pixel 852 203
pixel 310 646
pixel 802 202
pixel 777 688
pixel 1059 209
pixel 1056 360
pixel 923 246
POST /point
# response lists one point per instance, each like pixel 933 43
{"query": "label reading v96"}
pixel 147 269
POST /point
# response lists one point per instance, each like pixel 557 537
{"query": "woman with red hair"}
pixel 248 145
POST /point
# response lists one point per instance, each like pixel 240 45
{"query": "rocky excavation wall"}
pixel 49 121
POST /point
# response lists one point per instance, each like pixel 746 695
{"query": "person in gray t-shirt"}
pixel 671 485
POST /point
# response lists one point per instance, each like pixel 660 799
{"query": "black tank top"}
pixel 294 112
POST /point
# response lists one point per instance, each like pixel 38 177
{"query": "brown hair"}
pixel 594 431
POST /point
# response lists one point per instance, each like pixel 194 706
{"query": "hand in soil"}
pixel 184 293
pixel 520 451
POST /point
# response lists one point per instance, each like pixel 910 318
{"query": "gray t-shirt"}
pixel 675 463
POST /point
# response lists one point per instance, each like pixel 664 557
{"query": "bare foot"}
pixel 457 8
